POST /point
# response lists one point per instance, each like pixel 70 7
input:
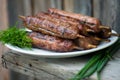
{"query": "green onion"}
pixel 87 66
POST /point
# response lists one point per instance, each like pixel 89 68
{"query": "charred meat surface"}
pixel 51 43
pixel 92 22
pixel 60 29
pixel 83 29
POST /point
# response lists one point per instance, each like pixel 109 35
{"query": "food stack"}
pixel 62 31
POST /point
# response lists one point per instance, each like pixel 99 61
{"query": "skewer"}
pixel 100 39
pixel 90 46
pixel 110 33
pixel 80 36
pixel 22 17
pixel 114 34
pixel 89 30
pixel 78 48
pixel 104 27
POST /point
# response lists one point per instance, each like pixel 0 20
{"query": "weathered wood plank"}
pixel 108 12
pixel 56 4
pixel 27 7
pixel 83 7
pixel 57 69
pixel 15 8
pixel 68 5
pixel 43 5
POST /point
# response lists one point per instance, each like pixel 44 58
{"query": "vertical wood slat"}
pixel 68 5
pixel 43 5
pixel 3 25
pixel 56 4
pixel 83 7
pixel 3 14
pixel 108 12
pixel 27 7
pixel 18 7
pixel 15 8
pixel 39 5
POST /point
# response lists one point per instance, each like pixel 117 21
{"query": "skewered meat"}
pixel 93 23
pixel 51 43
pixel 83 29
pixel 58 18
pixel 52 27
pixel 105 32
pixel 85 44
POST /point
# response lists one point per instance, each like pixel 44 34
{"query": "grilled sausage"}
pixel 51 43
pixel 83 29
pixel 58 18
pixel 93 23
pixel 55 28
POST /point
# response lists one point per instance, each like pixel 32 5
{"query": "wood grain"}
pixel 15 8
pixel 43 5
pixel 27 7
pixel 57 69
pixel 68 5
pixel 83 7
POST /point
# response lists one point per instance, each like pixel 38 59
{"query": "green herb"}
pixel 16 37
pixel 97 62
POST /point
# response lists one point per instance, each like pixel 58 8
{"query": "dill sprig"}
pixel 16 37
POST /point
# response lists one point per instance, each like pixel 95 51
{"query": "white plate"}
pixel 51 54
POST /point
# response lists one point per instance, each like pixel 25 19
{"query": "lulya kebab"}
pixel 33 24
pixel 51 27
pixel 83 29
pixel 104 32
pixel 52 43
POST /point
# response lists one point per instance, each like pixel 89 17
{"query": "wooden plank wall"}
pixel 31 7
pixel 106 10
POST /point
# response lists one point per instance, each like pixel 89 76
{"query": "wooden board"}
pixel 43 5
pixel 57 69
pixel 83 7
